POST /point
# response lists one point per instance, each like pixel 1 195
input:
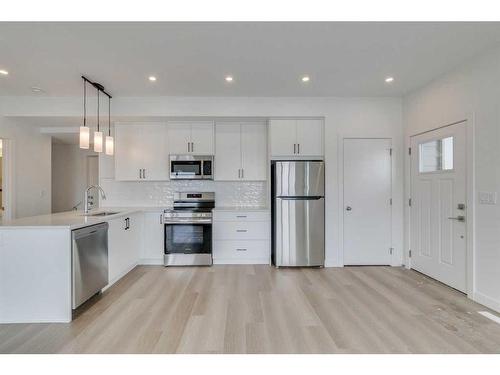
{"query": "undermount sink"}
pixel 102 213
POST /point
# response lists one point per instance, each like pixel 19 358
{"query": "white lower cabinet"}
pixel 124 245
pixel 241 237
pixel 152 241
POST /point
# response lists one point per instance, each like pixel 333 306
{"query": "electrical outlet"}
pixel 486 197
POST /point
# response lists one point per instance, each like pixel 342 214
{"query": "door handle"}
pixel 348 208
pixel 458 218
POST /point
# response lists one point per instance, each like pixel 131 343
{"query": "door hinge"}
pixel 391 249
pixel 409 202
pixel 409 254
pixel 390 151
pixel 409 150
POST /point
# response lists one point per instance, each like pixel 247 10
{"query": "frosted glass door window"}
pixel 436 155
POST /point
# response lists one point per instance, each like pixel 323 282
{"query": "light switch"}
pixel 487 197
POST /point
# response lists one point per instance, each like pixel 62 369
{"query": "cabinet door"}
pixel 179 136
pixel 154 152
pixel 128 152
pixel 310 137
pixel 202 138
pixel 228 151
pixel 152 239
pixel 117 243
pixel 283 134
pixel 134 240
pixel 254 151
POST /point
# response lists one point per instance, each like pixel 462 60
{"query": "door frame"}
pixel 394 255
pixel 7 178
pixel 468 122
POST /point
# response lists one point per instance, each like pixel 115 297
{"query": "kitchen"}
pixel 256 206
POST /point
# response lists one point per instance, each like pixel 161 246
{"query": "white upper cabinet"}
pixel 254 152
pixel 283 135
pixel 228 151
pixel 141 152
pixel 185 137
pixel 297 138
pixel 241 151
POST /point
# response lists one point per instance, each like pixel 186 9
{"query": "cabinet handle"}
pixel 241 230
pixel 143 173
pixel 295 148
pixel 192 146
pixel 298 148
pixel 242 173
pixel 127 224
pixel 188 144
pixel 241 216
pixel 241 249
pixel 239 173
pixel 140 173
pixel 161 219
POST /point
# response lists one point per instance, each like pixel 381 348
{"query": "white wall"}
pixel 69 176
pixel 470 92
pixel 31 185
pixel 353 117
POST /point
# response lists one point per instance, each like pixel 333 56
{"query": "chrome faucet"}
pixel 86 203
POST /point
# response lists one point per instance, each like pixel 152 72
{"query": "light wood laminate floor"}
pixel 258 309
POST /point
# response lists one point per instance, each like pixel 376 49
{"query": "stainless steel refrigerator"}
pixel 298 213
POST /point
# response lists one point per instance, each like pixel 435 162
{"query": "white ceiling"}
pixel 266 59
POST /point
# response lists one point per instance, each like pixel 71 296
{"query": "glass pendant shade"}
pixel 98 141
pixel 110 145
pixel 84 137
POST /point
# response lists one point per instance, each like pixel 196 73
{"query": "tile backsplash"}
pixel 150 193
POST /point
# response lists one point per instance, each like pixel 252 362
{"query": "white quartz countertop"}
pixel 72 219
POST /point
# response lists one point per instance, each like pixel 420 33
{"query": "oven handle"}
pixel 203 221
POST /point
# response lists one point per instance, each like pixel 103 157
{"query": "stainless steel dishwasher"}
pixel 90 262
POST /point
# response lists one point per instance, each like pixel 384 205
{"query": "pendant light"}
pixel 98 133
pixel 110 144
pixel 84 130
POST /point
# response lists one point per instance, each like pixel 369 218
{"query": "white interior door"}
pixel 227 152
pixel 254 151
pixel 438 212
pixel 367 202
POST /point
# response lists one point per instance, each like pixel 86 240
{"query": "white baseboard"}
pixel 151 261
pixel 332 263
pixel 486 301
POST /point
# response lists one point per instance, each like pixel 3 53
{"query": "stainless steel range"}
pixel 188 230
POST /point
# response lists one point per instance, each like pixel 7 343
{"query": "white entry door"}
pixel 367 202
pixel 438 212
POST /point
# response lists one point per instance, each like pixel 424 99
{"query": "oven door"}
pixel 188 238
pixel 186 169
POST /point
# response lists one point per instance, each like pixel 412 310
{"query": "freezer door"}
pixel 299 178
pixel 299 232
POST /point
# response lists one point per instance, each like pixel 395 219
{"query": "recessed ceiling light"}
pixel 229 79
pixel 36 89
pixel 389 79
pixel 306 79
pixel 3 72
pixel 152 78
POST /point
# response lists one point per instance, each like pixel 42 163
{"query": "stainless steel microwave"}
pixel 191 167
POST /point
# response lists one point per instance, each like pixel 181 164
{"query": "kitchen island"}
pixel 36 263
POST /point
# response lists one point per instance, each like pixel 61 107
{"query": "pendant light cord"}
pixel 98 110
pixel 84 103
pixel 109 117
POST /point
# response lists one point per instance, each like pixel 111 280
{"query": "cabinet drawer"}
pixel 236 230
pixel 242 215
pixel 235 251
